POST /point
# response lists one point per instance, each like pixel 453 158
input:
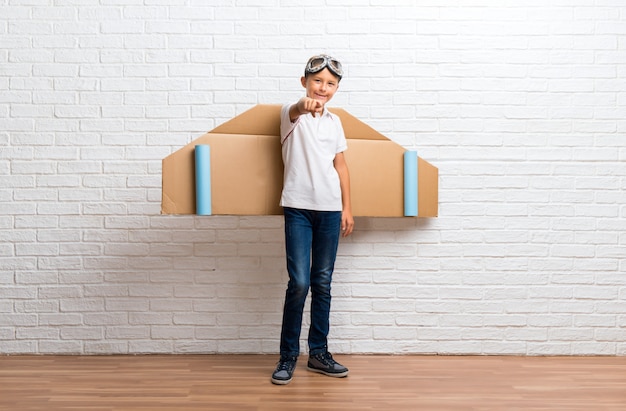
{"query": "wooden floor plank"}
pixel 241 382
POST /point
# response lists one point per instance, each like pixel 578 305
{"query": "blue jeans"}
pixel 311 240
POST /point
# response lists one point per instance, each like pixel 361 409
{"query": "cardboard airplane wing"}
pixel 246 170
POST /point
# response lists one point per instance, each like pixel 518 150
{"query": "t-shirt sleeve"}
pixel 286 126
pixel 342 144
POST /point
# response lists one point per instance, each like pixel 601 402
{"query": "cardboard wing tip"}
pixel 428 186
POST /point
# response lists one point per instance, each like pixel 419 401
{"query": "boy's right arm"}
pixel 303 106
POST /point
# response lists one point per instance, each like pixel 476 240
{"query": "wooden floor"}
pixel 242 382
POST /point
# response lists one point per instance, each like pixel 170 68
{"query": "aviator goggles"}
pixel 319 62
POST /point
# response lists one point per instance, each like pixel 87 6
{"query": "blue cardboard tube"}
pixel 203 179
pixel 410 183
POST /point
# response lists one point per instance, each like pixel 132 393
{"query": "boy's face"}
pixel 320 86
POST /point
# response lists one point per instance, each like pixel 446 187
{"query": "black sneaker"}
pixel 324 364
pixel 284 371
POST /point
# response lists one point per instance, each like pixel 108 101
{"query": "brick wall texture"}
pixel 521 106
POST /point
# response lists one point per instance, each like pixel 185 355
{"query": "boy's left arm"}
pixel 347 220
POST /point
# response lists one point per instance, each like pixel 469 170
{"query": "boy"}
pixel 316 203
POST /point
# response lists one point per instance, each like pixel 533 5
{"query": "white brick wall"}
pixel 521 105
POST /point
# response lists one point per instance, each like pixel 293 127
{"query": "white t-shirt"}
pixel 309 146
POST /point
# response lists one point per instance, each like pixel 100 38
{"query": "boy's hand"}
pixel 310 105
pixel 347 223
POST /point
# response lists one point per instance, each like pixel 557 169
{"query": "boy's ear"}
pixel 303 81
